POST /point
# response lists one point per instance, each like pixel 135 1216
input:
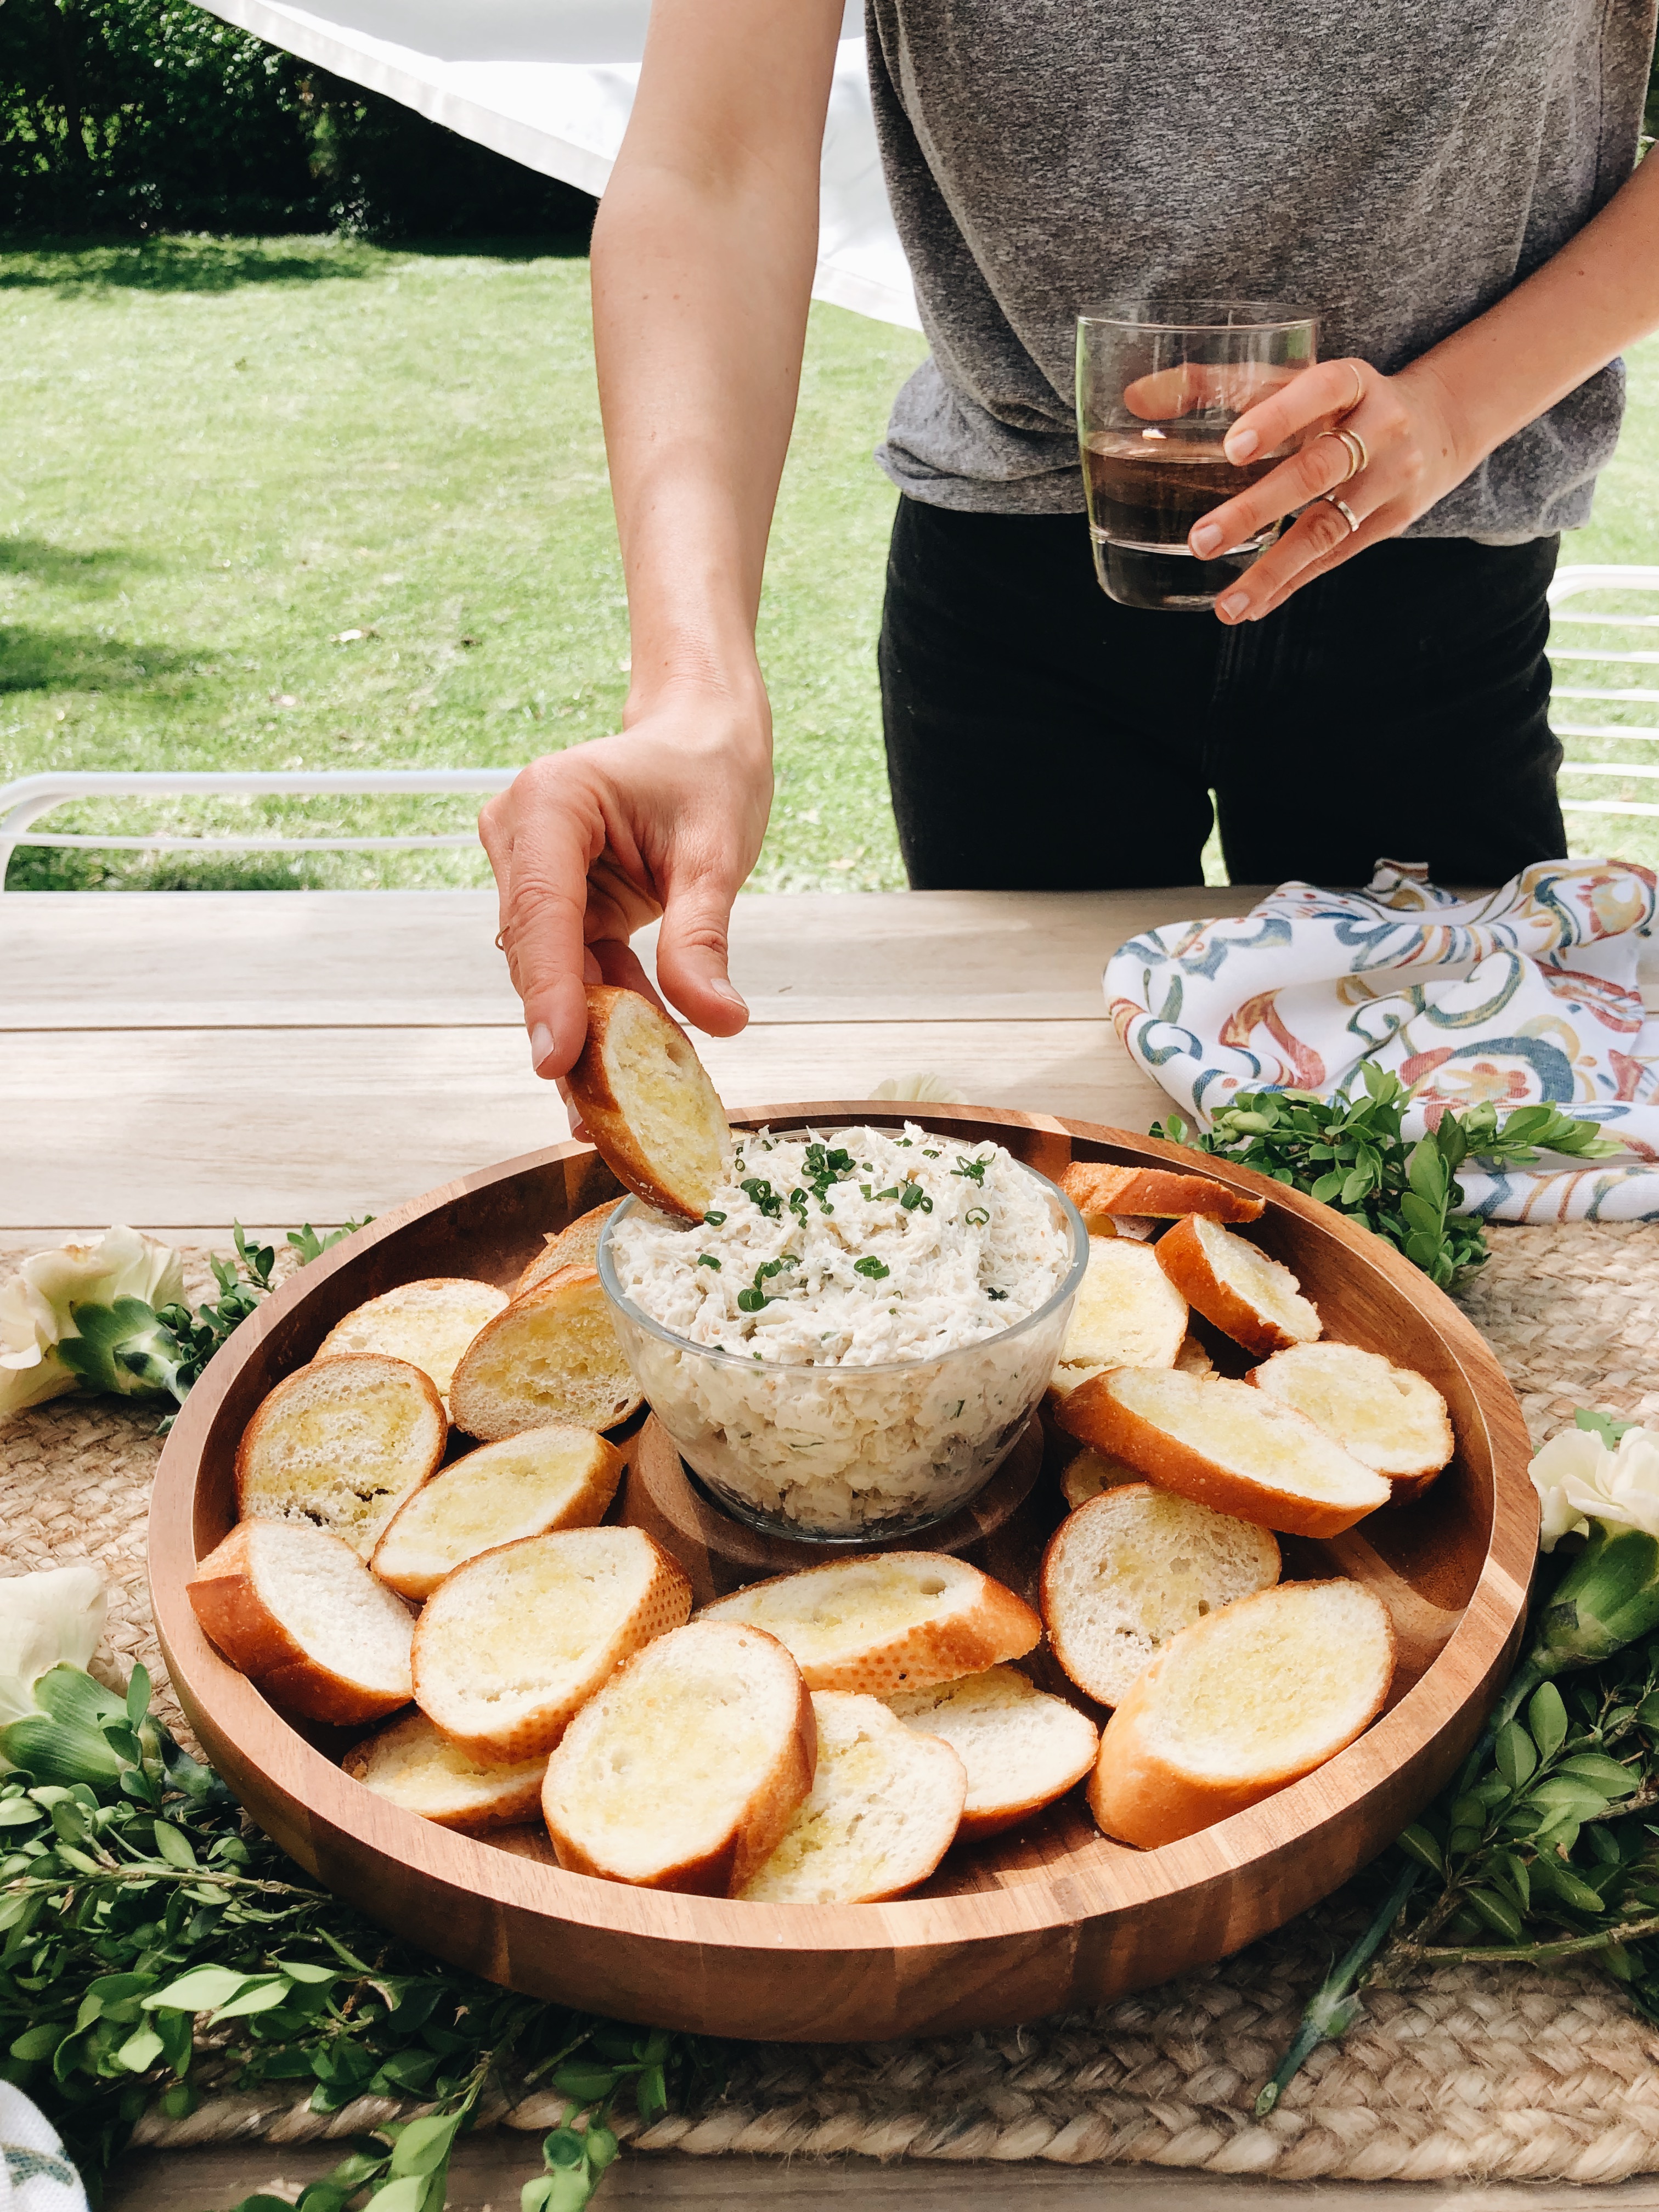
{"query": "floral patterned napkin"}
pixel 35 2174
pixel 1523 995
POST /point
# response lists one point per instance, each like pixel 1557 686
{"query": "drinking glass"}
pixel 1159 386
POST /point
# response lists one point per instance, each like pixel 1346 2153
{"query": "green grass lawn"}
pixel 218 457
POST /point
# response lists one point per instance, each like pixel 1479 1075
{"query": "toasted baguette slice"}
pixel 1088 1473
pixel 1099 1191
pixel 561 1477
pixel 511 1646
pixel 884 1807
pixel 575 1247
pixel 1389 1418
pixel 1242 1702
pixel 1128 1314
pixel 552 1356
pixel 648 1104
pixel 1020 1747
pixel 1257 1301
pixel 686 1770
pixel 1192 1358
pixel 410 1764
pixel 340 1444
pixel 429 1324
pixel 1126 1573
pixel 890 1621
pixel 1228 1446
pixel 302 1615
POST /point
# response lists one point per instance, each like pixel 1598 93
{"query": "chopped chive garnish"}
pixel 913 1196
pixel 714 1220
pixel 766 1199
pixel 977 1217
pixel 869 1265
pixel 971 1170
pixel 995 1294
pixel 708 1260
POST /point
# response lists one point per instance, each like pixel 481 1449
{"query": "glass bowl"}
pixel 847 1454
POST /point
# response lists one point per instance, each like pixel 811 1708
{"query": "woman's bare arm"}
pixel 1432 424
pixel 703 256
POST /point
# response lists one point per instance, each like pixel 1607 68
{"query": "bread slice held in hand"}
pixel 511 1646
pixel 1254 1298
pixel 559 1477
pixel 1100 1193
pixel 891 1620
pixel 1247 1701
pixel 1126 1573
pixel 884 1809
pixel 1128 1314
pixel 1390 1420
pixel 1226 1444
pixel 1020 1748
pixel 340 1444
pixel 686 1770
pixel 552 1356
pixel 429 1323
pixel 575 1247
pixel 410 1765
pixel 298 1612
pixel 649 1107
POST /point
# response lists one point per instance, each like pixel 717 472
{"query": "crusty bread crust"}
pixel 600 1095
pixel 497 1797
pixel 482 1409
pixel 1407 1482
pixel 1100 1191
pixel 322 1374
pixel 663 1603
pixel 1095 1416
pixel 992 1804
pixel 757 1822
pixel 572 1247
pixel 224 1595
pixel 1140 1796
pixel 992 1625
pixel 1182 1255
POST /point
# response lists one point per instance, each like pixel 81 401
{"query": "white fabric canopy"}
pixel 550 82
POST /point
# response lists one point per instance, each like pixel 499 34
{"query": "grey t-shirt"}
pixel 1395 165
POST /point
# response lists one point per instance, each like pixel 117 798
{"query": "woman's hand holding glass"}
pixel 1401 427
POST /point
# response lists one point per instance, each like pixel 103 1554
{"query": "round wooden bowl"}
pixel 1048 1916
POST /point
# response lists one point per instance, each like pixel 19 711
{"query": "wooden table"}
pixel 177 1060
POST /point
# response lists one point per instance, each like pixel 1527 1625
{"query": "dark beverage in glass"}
pixel 1158 391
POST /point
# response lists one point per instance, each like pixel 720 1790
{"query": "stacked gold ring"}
pixel 1354 445
pixel 1344 510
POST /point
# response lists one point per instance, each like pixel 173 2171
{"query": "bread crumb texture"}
pixel 1020 1748
pixel 1246 1433
pixel 558 1476
pixel 552 1356
pixel 429 1324
pixel 1125 1574
pixel 340 1444
pixel 659 1083
pixel 1392 1421
pixel 1264 1284
pixel 882 1812
pixel 660 1767
pixel 1127 1312
pixel 318 1589
pixel 1274 1685
pixel 411 1765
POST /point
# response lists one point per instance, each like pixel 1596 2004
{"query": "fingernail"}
pixel 541 1044
pixel 1233 605
pixel 724 989
pixel 1205 537
pixel 1239 445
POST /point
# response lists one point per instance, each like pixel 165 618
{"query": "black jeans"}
pixel 1041 737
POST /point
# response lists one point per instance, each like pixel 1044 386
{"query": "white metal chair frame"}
pixel 1571 583
pixel 23 803
pixel 31 796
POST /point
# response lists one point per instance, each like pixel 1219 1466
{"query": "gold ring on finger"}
pixel 1358 388
pixel 1354 446
pixel 1344 510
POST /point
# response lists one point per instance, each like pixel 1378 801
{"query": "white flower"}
pixel 1579 1480
pixel 939 1088
pixel 48 1619
pixel 34 1306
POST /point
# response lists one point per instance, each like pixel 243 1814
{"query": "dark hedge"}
pixel 126 118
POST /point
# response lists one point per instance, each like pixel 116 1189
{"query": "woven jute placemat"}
pixel 1470 2073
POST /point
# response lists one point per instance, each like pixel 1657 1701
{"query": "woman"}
pixel 1448 185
